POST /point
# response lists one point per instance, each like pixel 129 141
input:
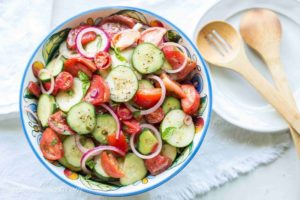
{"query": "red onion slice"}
pixel 115 117
pixel 157 150
pixel 79 145
pixel 157 105
pixel 52 81
pixel 96 151
pixel 104 41
pixel 172 71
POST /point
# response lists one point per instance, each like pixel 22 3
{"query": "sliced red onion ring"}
pixel 115 117
pixel 172 71
pixel 52 81
pixel 79 145
pixel 104 41
pixel 65 52
pixel 96 151
pixel 157 150
pixel 157 105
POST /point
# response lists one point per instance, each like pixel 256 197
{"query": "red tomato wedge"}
pixel 119 143
pixel 64 81
pixel 90 65
pixel 158 164
pixel 111 165
pixel 47 86
pixel 88 37
pixel 147 98
pixel 153 35
pixel 34 88
pixel 191 103
pixel 58 123
pixel 172 86
pixel 73 67
pixel 51 146
pixel 98 92
pixel 102 60
pixel 176 59
pixel 123 112
pixel 125 38
pixel 116 23
pixel 131 126
pixel 155 117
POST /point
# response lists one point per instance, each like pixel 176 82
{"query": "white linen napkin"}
pixel 227 151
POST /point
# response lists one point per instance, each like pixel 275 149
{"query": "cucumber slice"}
pixel 93 46
pixel 170 103
pixel 169 151
pixel 81 118
pixel 55 66
pixel 105 124
pixel 65 100
pixel 133 168
pixel 46 107
pixel 165 66
pixel 72 153
pixel 147 58
pixel 145 84
pixel 122 83
pixel 174 131
pixel 146 142
pixel 65 163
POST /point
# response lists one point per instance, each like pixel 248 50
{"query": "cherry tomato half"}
pixel 102 60
pixel 73 67
pixel 58 123
pixel 124 113
pixel 158 164
pixel 64 81
pixel 111 165
pixel 51 146
pixel 156 116
pixel 47 86
pixel 191 103
pixel 88 37
pixel 34 88
pixel 120 143
pixel 146 98
pixel 131 126
pixel 98 92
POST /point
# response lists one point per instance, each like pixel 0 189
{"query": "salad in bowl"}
pixel 115 101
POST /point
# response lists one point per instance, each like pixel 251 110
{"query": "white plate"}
pixel 236 100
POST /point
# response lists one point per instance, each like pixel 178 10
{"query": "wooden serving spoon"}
pixel 264 36
pixel 221 45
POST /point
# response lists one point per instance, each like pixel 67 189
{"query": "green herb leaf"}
pixel 91 164
pixel 136 114
pixel 167 133
pixel 53 142
pixel 85 81
pixel 70 92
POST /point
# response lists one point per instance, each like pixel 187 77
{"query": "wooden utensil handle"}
pixel 277 100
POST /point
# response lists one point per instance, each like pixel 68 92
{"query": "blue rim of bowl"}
pixel 207 74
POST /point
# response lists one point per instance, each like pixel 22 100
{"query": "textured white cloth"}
pixel 227 151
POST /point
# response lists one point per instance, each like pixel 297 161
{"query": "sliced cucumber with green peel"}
pixel 81 118
pixel 65 163
pixel 170 103
pixel 105 124
pixel 65 100
pixel 55 66
pixel 146 142
pixel 147 58
pixel 133 168
pixel 175 131
pixel 72 153
pixel 45 108
pixel 122 83
pixel 145 84
pixel 169 151
pixel 94 45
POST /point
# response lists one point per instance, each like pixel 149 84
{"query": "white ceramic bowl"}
pixel 200 77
